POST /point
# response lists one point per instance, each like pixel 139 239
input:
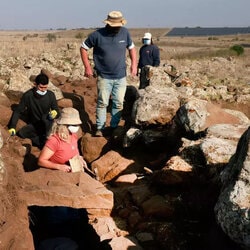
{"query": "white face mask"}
pixel 73 129
pixel 39 92
pixel 146 42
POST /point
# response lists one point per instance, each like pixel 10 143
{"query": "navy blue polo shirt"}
pixel 109 52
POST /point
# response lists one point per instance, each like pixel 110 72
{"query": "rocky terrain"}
pixel 162 180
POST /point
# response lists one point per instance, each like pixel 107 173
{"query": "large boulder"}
pixel 233 206
pixel 155 106
pixel 196 115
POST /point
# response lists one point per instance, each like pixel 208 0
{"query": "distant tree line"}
pixel 198 31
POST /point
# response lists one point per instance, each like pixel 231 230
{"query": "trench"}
pixel 195 222
pixel 62 228
pixel 67 228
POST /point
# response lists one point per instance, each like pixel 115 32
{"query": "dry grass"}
pixel 187 54
pixel 28 43
pixel 33 43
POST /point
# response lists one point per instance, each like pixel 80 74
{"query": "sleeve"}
pixel 16 113
pixel 52 143
pixel 54 105
pixel 131 44
pixel 140 58
pixel 89 42
pixel 156 56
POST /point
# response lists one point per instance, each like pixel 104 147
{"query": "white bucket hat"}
pixel 69 116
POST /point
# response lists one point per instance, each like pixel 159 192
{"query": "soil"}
pixel 83 97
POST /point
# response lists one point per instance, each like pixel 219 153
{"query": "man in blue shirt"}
pixel 109 44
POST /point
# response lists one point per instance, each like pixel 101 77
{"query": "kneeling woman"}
pixel 61 146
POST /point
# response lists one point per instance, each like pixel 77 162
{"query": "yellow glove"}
pixel 52 114
pixel 12 131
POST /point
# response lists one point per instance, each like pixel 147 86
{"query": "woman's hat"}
pixel 115 19
pixel 147 36
pixel 69 116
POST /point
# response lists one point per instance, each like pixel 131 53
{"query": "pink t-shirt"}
pixel 63 150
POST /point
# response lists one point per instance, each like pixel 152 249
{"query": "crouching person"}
pixel 61 148
pixel 38 108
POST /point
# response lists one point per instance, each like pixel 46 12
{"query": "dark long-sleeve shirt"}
pixel 35 107
pixel 149 55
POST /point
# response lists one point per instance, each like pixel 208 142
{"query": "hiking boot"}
pixel 98 133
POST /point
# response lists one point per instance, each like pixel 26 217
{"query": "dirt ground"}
pixel 13 212
pixel 83 96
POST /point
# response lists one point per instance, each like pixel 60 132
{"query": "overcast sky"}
pixel 56 14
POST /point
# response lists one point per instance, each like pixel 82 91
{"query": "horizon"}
pixel 84 28
pixel 63 14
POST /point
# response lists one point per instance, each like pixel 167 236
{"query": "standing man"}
pixel 149 55
pixel 38 107
pixel 109 44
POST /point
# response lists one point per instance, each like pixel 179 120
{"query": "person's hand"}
pixel 52 114
pixel 88 72
pixel 12 131
pixel 133 70
pixel 65 168
pixel 84 164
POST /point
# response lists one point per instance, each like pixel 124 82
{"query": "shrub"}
pixel 51 37
pixel 213 38
pixel 79 35
pixel 238 49
pixel 29 36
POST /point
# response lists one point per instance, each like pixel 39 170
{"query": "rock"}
pixel 76 190
pixel 218 150
pixel 124 243
pixel 158 206
pixel 93 147
pixel 109 166
pixel 176 172
pixel 64 103
pixel 197 115
pixel 233 205
pixel 6 114
pixel 226 131
pixel 131 136
pixel 139 193
pixel 4 100
pixel 108 228
pixel 144 237
pixel 134 218
pixel 126 179
pixel 149 110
